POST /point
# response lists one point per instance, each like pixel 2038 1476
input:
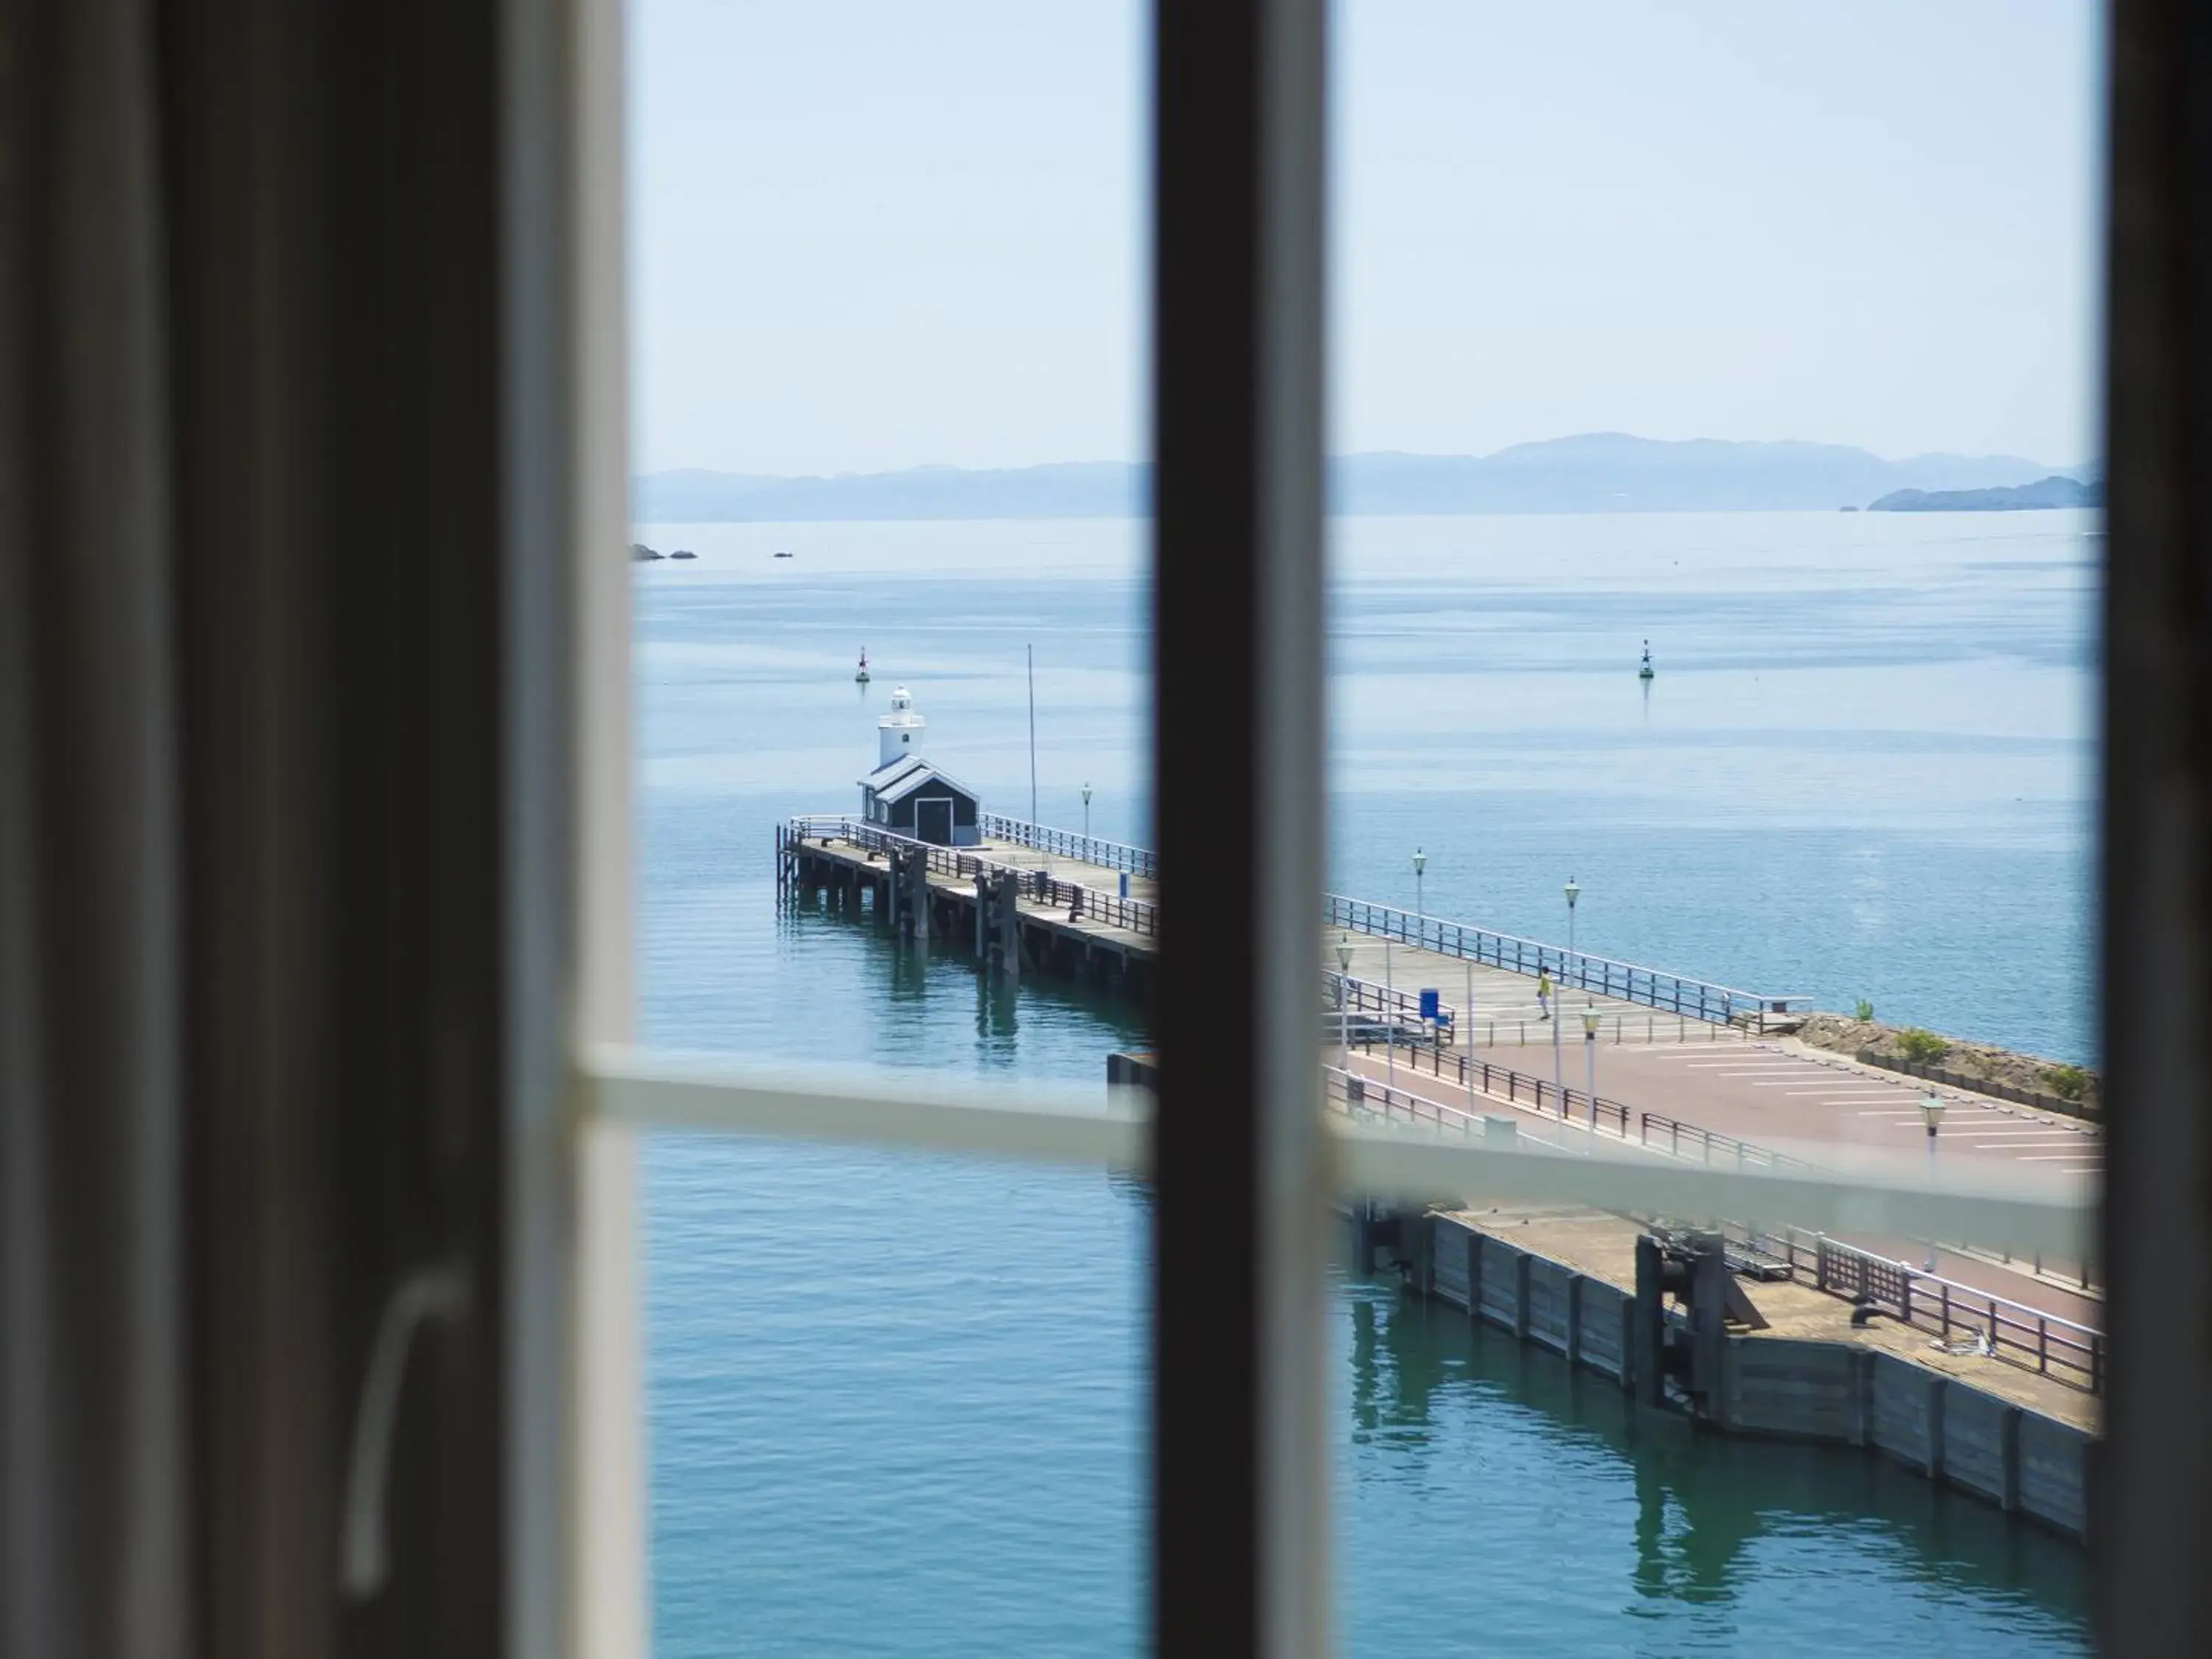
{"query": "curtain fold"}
pixel 92 1547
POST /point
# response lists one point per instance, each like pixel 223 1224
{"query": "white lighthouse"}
pixel 899 732
pixel 910 796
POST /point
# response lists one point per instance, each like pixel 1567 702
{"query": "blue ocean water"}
pixel 897 1402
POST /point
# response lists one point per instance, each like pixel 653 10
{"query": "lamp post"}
pixel 1087 811
pixel 1343 992
pixel 1590 1018
pixel 1420 863
pixel 1931 1110
pixel 1573 893
pixel 1389 1009
pixel 1466 1016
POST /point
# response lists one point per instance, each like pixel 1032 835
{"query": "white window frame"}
pixel 577 1457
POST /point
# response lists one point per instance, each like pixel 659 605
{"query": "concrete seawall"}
pixel 2022 1460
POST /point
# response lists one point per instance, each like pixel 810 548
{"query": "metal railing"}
pixel 1930 1301
pixel 1625 982
pixel 1365 996
pixel 1927 1301
pixel 1710 1147
pixel 1138 917
pixel 1068 844
pixel 1377 1103
pixel 1650 987
pixel 1503 1083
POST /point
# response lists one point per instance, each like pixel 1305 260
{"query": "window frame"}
pixel 1244 1169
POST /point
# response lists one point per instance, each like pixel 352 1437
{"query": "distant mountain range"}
pixel 1597 472
pixel 2054 491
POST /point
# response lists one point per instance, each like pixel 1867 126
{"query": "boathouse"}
pixel 910 795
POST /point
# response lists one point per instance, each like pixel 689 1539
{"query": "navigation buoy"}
pixel 1645 672
pixel 862 675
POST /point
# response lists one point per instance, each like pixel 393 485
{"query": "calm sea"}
pixel 897 1402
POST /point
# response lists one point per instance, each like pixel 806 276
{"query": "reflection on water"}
pixel 1713 1537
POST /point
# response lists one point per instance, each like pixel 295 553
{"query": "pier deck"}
pixel 1713 1075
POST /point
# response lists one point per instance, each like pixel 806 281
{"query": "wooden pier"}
pixel 1017 909
pixel 1030 898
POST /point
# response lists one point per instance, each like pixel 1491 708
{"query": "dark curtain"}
pixel 253 765
pixel 93 1377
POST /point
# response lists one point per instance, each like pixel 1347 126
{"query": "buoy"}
pixel 862 676
pixel 1645 672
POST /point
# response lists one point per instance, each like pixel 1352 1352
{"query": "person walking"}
pixel 1544 993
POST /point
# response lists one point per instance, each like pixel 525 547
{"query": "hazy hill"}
pixel 1595 472
pixel 2054 491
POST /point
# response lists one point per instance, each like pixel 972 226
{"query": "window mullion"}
pixel 1241 1515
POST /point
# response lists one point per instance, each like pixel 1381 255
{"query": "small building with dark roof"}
pixel 909 795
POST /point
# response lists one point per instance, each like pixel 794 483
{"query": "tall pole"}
pixel 1031 650
pixel 1931 1113
pixel 1559 1017
pixel 1467 1053
pixel 1931 1187
pixel 1389 1010
pixel 1589 1069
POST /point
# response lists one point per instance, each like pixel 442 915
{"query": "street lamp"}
pixel 1420 863
pixel 1389 1009
pixel 1573 893
pixel 1590 1018
pixel 1343 991
pixel 1931 1110
pixel 1087 811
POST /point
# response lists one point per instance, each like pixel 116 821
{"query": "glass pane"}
pixel 897 1402
pixel 1715 572
pixel 888 319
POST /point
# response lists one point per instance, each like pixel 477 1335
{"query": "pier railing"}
pixel 1515 1088
pixel 1387 1003
pixel 1625 982
pixel 1366 1099
pixel 2011 1330
pixel 1138 917
pixel 1709 1146
pixel 1927 1301
pixel 1068 844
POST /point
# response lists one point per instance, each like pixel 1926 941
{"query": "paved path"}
pixel 1831 1113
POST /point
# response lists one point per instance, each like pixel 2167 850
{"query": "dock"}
pixel 1086 905
pixel 1679 1065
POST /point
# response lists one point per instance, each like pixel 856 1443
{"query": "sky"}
pixel 872 235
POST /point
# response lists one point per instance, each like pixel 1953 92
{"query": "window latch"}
pixel 438 1294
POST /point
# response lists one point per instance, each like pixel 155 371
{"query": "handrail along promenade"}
pixel 1914 1298
pixel 1930 1301
pixel 1623 981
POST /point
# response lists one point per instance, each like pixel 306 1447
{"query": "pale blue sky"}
pixel 875 235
